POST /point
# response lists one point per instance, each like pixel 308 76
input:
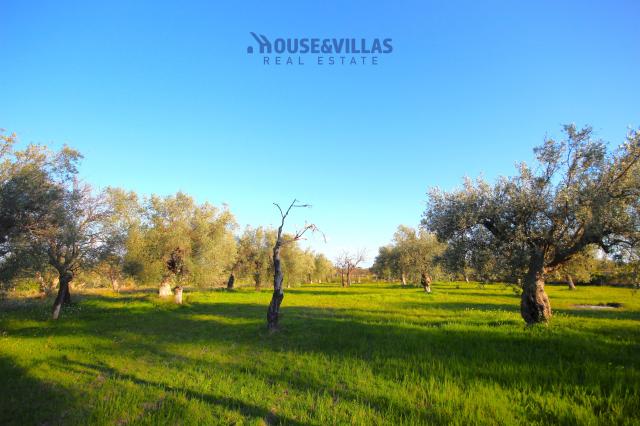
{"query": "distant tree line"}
pixel 56 230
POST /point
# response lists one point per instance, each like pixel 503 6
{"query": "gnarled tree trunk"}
pixel 231 281
pixel 572 286
pixel 425 280
pixel 273 313
pixel 64 296
pixel 535 306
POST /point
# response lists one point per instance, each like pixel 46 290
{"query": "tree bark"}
pixel 572 286
pixel 425 280
pixel 64 296
pixel 231 281
pixel 342 278
pixel 178 295
pixel 165 287
pixel 535 306
pixel 404 279
pixel 348 277
pixel 273 313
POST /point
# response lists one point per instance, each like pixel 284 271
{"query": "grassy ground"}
pixel 371 354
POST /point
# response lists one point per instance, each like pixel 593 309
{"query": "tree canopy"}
pixel 578 195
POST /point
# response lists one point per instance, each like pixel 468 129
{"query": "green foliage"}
pixel 577 196
pixel 411 254
pixel 202 232
pixel 370 354
pixel 46 215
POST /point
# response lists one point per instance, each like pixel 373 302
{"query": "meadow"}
pixel 370 354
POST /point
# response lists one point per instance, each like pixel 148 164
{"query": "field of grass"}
pixel 370 354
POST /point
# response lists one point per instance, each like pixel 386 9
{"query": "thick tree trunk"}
pixel 535 306
pixel 425 280
pixel 231 281
pixel 257 280
pixel 572 286
pixel 165 287
pixel 273 313
pixel 178 295
pixel 404 279
pixel 64 296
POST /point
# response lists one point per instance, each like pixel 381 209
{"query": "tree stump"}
pixel 165 288
pixel 178 295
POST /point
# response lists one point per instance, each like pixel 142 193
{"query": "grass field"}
pixel 370 354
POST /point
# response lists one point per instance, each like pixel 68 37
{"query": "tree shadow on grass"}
pixel 27 400
pixel 370 339
pixel 97 368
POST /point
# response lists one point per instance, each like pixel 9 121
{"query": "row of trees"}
pixel 413 256
pixel 57 229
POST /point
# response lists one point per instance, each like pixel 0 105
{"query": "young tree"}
pixel 542 218
pixel 273 313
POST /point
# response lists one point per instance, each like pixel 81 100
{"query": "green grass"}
pixel 370 354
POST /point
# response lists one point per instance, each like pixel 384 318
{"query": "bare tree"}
pixel 347 262
pixel 273 313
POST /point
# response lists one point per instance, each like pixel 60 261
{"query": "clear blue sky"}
pixel 161 98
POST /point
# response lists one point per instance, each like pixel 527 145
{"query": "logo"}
pixel 320 51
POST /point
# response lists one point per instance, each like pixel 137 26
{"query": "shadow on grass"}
pixel 223 401
pixel 509 356
pixel 27 400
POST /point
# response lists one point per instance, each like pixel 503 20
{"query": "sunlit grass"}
pixel 370 354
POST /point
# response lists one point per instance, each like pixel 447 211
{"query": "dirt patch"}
pixel 610 305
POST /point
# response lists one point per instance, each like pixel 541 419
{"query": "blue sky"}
pixel 161 98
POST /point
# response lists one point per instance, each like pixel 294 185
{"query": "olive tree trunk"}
pixel 572 286
pixel 425 280
pixel 64 295
pixel 404 279
pixel 231 281
pixel 273 313
pixel 535 306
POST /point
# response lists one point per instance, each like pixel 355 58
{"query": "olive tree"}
pixel 48 216
pixel 578 195
pixel 282 240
